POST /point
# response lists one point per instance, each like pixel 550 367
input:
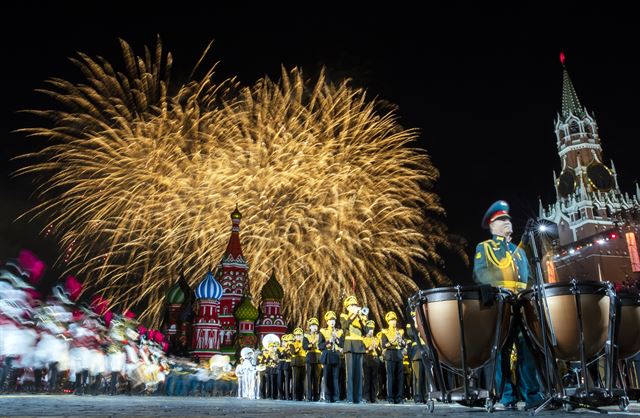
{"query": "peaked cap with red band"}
pixel 497 210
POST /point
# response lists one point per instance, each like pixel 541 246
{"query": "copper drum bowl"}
pixel 629 329
pixel 563 315
pixel 440 307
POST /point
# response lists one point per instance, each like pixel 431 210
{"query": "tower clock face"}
pixel 600 177
pixel 566 183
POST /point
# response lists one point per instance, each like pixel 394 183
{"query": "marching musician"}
pixel 310 344
pixel 273 369
pixel 353 324
pixel 263 378
pixel 418 371
pixel 371 363
pixel 500 263
pixel 284 367
pixel 298 360
pixel 330 343
pixel 393 344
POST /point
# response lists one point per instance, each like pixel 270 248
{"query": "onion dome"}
pixel 236 214
pixel 175 295
pixel 209 288
pixel 246 311
pixel 272 289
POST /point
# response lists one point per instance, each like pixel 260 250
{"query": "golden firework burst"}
pixel 334 194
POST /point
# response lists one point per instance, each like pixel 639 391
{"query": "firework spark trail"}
pixel 334 196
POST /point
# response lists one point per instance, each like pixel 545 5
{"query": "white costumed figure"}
pixel 247 372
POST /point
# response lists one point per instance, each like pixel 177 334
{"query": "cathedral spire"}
pixel 233 247
pixel 570 102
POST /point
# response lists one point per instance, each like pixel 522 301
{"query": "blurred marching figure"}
pixel 52 349
pixel 313 367
pixel 246 372
pixel 330 342
pixel 82 342
pixel 17 336
pixel 116 356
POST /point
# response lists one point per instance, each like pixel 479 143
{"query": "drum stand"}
pixel 467 395
pixel 582 396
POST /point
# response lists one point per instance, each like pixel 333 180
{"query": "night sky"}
pixel 484 92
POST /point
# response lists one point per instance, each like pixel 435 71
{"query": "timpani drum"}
pixel 485 311
pixel 573 306
pixel 629 326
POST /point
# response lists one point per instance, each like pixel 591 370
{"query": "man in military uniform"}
pixel 330 343
pixel 284 367
pixel 371 363
pixel 298 361
pixel 392 344
pixel 353 324
pixel 310 344
pixel 500 263
pixel 273 369
pixel 263 360
pixel 418 371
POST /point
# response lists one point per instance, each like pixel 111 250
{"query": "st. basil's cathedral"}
pixel 223 318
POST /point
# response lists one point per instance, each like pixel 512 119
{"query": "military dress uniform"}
pixel 273 369
pixel 500 263
pixel 418 371
pixel 354 328
pixel 371 364
pixel 393 344
pixel 330 343
pixel 314 369
pixel 263 360
pixel 298 362
pixel 284 367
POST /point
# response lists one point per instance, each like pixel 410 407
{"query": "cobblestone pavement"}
pixel 122 406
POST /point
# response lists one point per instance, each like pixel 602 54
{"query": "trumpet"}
pixel 364 311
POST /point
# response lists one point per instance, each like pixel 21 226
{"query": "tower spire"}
pixel 570 102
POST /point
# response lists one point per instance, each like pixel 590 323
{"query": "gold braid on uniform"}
pixel 506 262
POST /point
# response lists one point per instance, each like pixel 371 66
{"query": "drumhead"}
pixel 468 292
pixel 566 288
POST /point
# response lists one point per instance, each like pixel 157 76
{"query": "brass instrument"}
pixel 362 314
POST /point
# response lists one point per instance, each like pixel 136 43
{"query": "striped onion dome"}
pixel 209 288
pixel 175 295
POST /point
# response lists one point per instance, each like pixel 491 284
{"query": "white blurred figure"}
pixel 97 359
pixel 83 346
pixel 116 357
pixel 17 335
pixel 247 374
pixel 132 350
pixel 52 349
